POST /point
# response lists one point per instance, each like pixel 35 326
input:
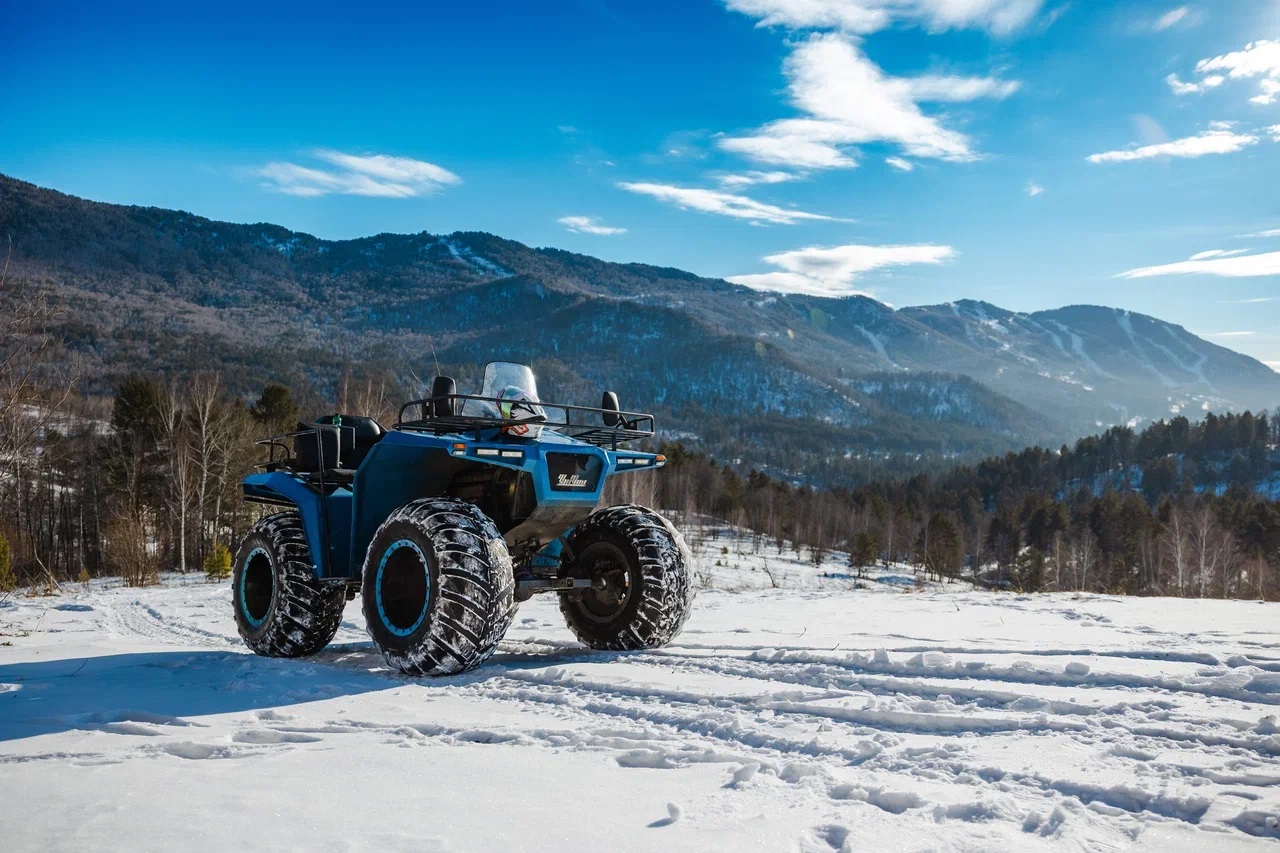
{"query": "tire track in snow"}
pixel 138 619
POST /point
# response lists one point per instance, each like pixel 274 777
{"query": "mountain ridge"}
pixel 172 292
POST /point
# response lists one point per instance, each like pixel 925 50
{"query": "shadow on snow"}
pixel 167 688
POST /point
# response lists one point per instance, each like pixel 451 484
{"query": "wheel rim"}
pixel 257 586
pixel 612 584
pixel 402 588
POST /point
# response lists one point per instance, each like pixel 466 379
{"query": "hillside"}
pixel 788 383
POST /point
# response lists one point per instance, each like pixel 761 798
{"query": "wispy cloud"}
pixel 1230 334
pixel 833 271
pixel 1259 59
pixel 1273 232
pixel 1257 300
pixel 861 17
pixel 589 225
pixel 1235 266
pixel 1209 142
pixel 847 100
pixel 900 164
pixel 1170 18
pixel 751 178
pixel 721 203
pixel 1218 253
pixel 1034 189
pixel 378 175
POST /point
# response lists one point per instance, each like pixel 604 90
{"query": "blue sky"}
pixel 1031 153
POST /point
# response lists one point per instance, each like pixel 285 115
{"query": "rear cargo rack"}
pixel 436 415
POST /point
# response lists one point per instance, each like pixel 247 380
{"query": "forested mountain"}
pixel 808 387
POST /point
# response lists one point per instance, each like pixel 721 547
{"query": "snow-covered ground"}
pixel 817 717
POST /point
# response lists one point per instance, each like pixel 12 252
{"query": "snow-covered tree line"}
pixel 144 482
pixel 1025 521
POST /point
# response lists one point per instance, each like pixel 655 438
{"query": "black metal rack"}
pixel 438 417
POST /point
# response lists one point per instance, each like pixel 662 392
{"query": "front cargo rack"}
pixel 438 415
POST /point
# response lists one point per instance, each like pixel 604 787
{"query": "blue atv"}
pixel 467 506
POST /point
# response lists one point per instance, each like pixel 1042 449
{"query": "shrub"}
pixel 127 551
pixel 217 564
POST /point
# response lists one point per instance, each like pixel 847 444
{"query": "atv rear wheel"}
pixel 282 611
pixel 438 587
pixel 640 568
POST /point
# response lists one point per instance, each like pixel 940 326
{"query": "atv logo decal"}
pixel 571 481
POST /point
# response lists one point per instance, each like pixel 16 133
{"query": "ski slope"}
pixel 817 717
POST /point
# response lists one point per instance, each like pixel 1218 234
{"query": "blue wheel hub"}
pixel 402 587
pixel 257 586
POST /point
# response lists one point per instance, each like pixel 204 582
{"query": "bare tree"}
pixel 1175 542
pixel 1084 553
pixel 180 488
pixel 1213 551
pixel 36 377
pixel 208 445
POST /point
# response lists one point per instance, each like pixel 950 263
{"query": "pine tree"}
pixel 275 409
pixel 865 550
pixel 217 564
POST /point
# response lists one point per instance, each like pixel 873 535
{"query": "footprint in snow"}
pixel 833 836
pixel 199 751
pixel 265 736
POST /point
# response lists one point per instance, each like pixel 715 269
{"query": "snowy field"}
pixel 820 717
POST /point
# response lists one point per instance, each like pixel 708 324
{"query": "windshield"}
pixel 500 375
pixel 516 387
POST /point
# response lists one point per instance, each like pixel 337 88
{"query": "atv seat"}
pixel 321 451
pixel 357 435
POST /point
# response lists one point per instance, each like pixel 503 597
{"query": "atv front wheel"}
pixel 282 611
pixel 641 589
pixel 438 587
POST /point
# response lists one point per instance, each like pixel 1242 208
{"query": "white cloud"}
pixel 1180 87
pixel 722 203
pixel 1034 189
pixel 900 164
pixel 935 88
pixel 1218 253
pixel 868 16
pixel 379 175
pixel 748 179
pixel 848 100
pixel 1209 142
pixel 1173 16
pixel 1274 131
pixel 1230 334
pixel 1260 59
pixel 1270 89
pixel 832 271
pixel 589 225
pixel 1273 232
pixel 1239 266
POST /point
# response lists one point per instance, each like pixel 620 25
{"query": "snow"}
pixel 1124 319
pixel 830 714
pixel 1077 346
pixel 878 345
